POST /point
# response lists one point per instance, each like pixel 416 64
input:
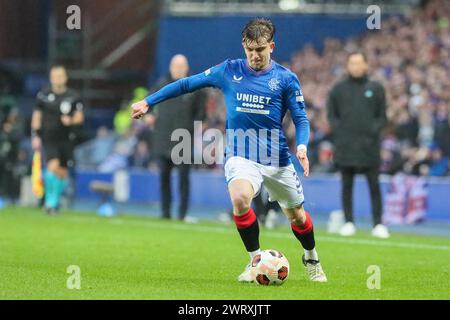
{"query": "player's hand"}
pixel 66 120
pixel 139 109
pixel 36 143
pixel 303 158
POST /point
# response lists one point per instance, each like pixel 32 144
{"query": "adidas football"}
pixel 270 267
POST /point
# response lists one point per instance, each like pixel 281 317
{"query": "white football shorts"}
pixel 282 183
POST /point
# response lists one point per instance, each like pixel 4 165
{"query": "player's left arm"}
pixel 296 104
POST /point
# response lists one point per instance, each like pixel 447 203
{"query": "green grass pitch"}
pixel 130 257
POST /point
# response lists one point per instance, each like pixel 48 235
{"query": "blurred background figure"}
pixel 141 157
pixel 325 162
pixel 122 121
pixel 57 115
pixel 391 161
pixel 177 113
pixel 438 163
pixel 357 114
pixel 91 154
pixel 11 134
pixel 11 158
pixel 123 149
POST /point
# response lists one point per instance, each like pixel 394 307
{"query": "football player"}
pixel 258 93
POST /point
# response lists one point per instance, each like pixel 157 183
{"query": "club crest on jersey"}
pixel 65 107
pixel 237 79
pixel 274 84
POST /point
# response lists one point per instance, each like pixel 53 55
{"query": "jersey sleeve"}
pixel 213 77
pixel 296 104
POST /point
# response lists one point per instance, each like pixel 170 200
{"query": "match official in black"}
pixel 357 114
pixel 55 122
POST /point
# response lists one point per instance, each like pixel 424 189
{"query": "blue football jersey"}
pixel 256 103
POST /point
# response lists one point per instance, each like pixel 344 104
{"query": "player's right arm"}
pixel 212 77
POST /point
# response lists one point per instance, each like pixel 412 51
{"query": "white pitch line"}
pixel 189 227
pixel 385 243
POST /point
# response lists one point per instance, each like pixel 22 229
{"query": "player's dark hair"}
pixel 258 28
pixel 357 53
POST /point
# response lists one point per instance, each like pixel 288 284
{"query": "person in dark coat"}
pixel 177 113
pixel 357 114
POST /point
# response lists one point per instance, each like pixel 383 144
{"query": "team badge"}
pixel 65 107
pixel 274 84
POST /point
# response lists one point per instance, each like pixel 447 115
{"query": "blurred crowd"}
pixel 127 144
pixel 410 56
pixel 14 162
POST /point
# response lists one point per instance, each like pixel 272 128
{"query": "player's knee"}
pixel 241 203
pixel 298 217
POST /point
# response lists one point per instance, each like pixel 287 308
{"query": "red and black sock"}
pixel 305 233
pixel 248 228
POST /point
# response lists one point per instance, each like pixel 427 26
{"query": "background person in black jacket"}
pixel 177 113
pixel 357 114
